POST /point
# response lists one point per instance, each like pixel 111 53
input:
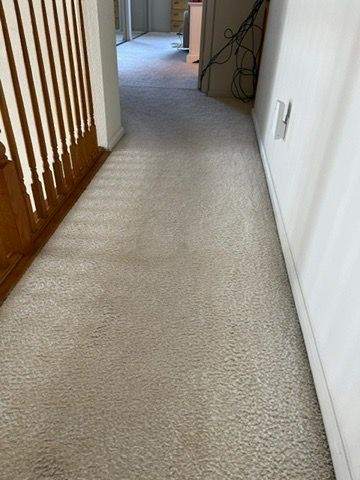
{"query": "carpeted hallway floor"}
pixel 155 336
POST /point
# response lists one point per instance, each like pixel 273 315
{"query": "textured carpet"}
pixel 155 60
pixel 155 336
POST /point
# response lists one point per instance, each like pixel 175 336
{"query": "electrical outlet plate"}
pixel 282 115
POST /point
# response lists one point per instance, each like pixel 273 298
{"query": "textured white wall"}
pixel 312 59
pixel 100 23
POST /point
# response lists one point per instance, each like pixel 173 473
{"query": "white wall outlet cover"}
pixel 280 120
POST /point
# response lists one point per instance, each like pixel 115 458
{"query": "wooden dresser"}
pixel 178 8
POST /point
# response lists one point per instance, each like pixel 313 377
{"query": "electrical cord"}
pixel 246 57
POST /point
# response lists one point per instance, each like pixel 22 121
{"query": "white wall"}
pixel 159 15
pixel 100 31
pixel 139 15
pixel 312 59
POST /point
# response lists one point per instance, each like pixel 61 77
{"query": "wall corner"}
pixel 100 36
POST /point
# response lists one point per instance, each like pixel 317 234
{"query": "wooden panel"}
pixel 22 206
pixel 4 260
pixel 11 245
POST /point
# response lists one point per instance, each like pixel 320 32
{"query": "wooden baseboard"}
pixel 20 267
pixel 332 426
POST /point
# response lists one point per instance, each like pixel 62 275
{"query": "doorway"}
pixel 131 19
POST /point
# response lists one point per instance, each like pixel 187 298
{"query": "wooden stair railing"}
pixel 50 154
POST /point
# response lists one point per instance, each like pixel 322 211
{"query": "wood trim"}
pixel 48 228
pixel 4 261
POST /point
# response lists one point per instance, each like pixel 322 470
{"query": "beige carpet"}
pixel 155 336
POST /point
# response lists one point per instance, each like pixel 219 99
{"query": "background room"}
pixel 158 42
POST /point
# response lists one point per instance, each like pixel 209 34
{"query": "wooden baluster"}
pixel 80 137
pixel 36 185
pixel 65 157
pixel 47 175
pixel 22 205
pixel 57 165
pixel 74 149
pixel 83 104
pixel 93 133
